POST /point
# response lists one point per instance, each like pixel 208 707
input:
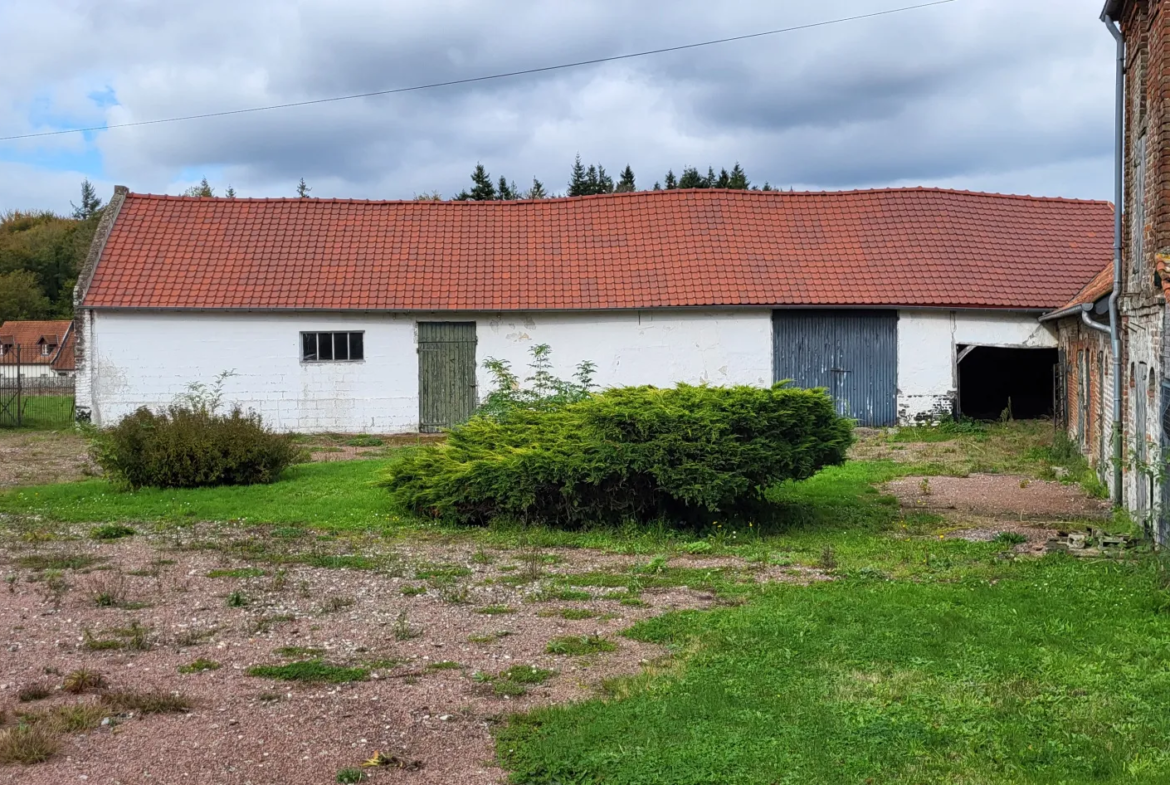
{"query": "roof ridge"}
pixel 734 192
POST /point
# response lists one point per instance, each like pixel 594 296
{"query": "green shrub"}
pixel 190 446
pixel 682 455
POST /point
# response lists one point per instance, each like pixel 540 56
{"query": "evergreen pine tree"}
pixel 302 189
pixel 578 185
pixel 592 183
pixel 691 178
pixel 671 183
pixel 482 189
pixel 767 186
pixel 91 203
pixel 710 180
pixel 536 191
pixel 230 193
pixel 738 179
pixel 657 186
pixel 626 181
pixel 506 192
pixel 604 181
pixel 724 180
pixel 203 189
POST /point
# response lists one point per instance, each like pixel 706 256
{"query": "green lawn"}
pixel 927 660
pixel 1041 672
pixel 45 412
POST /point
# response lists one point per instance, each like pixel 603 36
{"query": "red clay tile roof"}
pixel 29 335
pixel 924 247
pixel 1094 290
pixel 66 359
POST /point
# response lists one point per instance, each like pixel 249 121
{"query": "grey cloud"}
pixel 989 93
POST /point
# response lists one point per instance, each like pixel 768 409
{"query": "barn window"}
pixel 332 347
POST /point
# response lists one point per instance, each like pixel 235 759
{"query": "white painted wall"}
pixel 146 359
pixel 661 348
pixel 927 380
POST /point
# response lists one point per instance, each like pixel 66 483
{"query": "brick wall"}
pixel 1088 405
pixel 1146 221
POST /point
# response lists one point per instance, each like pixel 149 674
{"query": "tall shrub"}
pixel 190 444
pixel 638 453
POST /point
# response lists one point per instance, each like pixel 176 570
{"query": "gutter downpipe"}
pixel 1118 196
pixel 1105 328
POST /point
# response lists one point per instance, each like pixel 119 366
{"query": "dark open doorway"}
pixel 993 380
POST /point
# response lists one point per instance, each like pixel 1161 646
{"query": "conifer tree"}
pixel 670 181
pixel 724 180
pixel 738 179
pixel 230 193
pixel 302 189
pixel 91 203
pixel 506 192
pixel 203 189
pixel 578 184
pixel 536 191
pixel 482 189
pixel 691 178
pixel 626 182
pixel 604 181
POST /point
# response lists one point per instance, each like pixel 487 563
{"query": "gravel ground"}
pixel 246 729
pixel 34 457
pixel 998 495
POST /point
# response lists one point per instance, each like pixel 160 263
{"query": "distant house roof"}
pixel 31 336
pixel 660 249
pixel 65 359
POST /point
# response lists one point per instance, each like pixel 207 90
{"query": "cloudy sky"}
pixel 999 95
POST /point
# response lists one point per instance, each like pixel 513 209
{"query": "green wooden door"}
pixel 447 392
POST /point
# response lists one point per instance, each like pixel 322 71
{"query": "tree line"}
pixel 594 179
pixel 41 254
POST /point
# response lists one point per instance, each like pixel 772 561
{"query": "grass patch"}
pixel 199 665
pixel 980 670
pixel 300 652
pixel 83 680
pixel 488 637
pixel 48 561
pixel 350 775
pixel 494 610
pixel 310 672
pixel 147 702
pixel 560 594
pixel 111 531
pixel 576 614
pixel 237 572
pixel 340 495
pixel 413 591
pixel 579 645
pixel 444 665
pixel 36 691
pixel 527 674
pixel 28 744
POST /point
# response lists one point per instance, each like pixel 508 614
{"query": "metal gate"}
pixel 447 392
pixel 852 354
pixel 31 395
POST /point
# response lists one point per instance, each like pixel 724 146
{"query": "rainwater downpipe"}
pixel 1118 196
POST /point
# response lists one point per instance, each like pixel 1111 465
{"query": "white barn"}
pixel 355 316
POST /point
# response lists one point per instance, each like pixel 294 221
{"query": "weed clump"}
pixel 28 744
pixel 579 645
pixel 111 531
pixel 683 454
pixel 83 680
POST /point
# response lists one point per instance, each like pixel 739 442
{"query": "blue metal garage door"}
pixel 852 354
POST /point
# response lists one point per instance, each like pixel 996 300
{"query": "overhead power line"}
pixel 486 78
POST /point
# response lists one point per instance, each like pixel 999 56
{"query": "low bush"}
pixel 683 455
pixel 190 447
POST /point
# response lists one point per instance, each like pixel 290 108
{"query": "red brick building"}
pixel 1136 292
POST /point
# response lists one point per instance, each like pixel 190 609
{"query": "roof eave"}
pixel 1111 8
